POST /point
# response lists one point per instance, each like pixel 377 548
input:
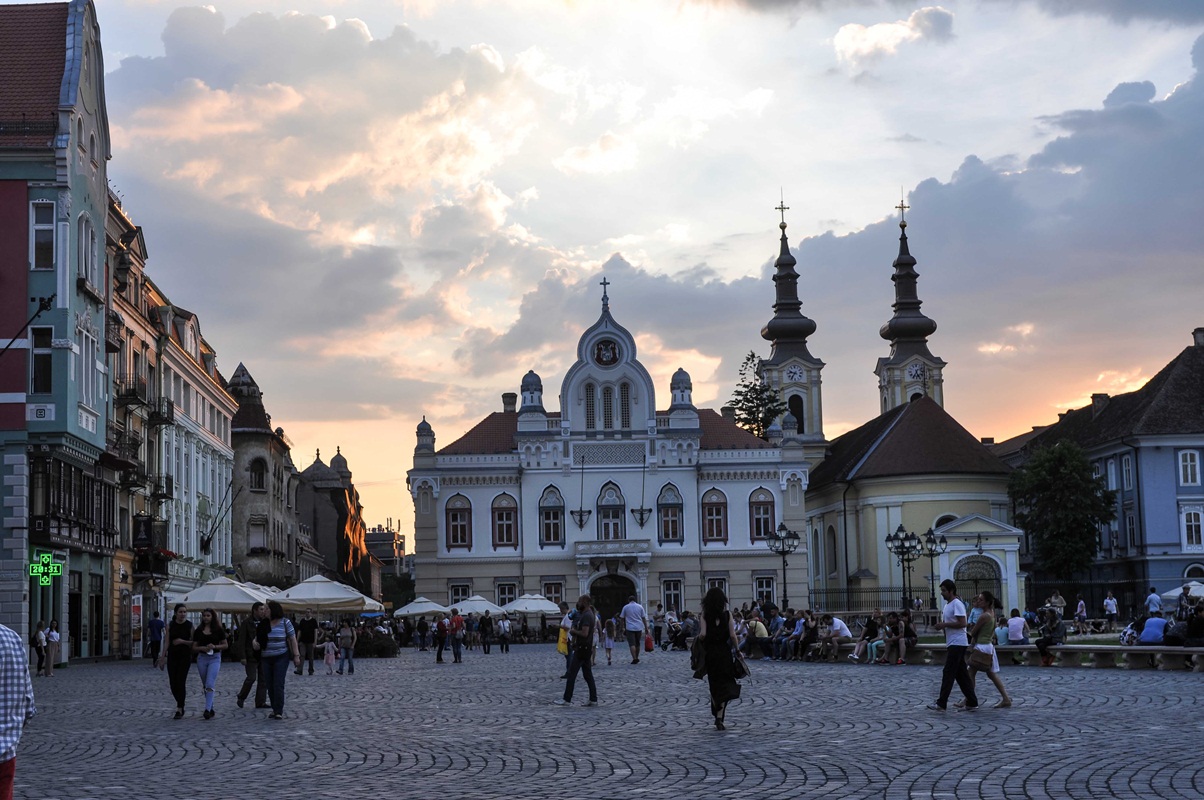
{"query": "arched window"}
pixel 459 522
pixel 590 407
pixel 625 406
pixel 668 514
pixel 92 147
pixel 259 473
pixel 795 404
pixel 714 517
pixel 611 510
pixel 1194 572
pixel 944 519
pixel 551 518
pixel 505 522
pixel 830 558
pixel 760 514
pixel 608 408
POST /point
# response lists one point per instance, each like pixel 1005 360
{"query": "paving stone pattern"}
pixel 486 728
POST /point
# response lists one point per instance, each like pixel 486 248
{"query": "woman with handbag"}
pixel 981 657
pixel 721 652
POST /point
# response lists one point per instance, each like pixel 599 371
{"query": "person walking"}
pixel 581 648
pixel 980 637
pixel 441 629
pixel 953 623
pixel 38 640
pixel 1153 602
pixel 658 624
pixel 330 652
pixel 635 625
pixel 1110 608
pixel 208 642
pixel 54 643
pixel 307 638
pixel 178 657
pixel 281 644
pixel 503 633
pixel 485 629
pixel 720 647
pixel 154 636
pixel 347 639
pixel 566 624
pixel 250 648
pixel 16 705
pixel 457 631
pixel 422 629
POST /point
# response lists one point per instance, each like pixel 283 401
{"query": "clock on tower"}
pixel 794 373
pixel 915 371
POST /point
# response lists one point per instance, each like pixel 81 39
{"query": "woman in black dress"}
pixel 178 657
pixel 718 635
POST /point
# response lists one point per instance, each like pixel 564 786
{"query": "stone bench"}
pixel 1090 656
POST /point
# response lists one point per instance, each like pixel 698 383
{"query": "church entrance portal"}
pixel 610 593
pixel 976 573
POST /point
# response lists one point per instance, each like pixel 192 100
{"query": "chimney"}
pixel 729 413
pixel 1099 401
pixel 1197 337
pixel 509 401
pixel 987 440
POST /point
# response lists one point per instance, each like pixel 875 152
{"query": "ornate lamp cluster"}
pixel 783 541
pixel 906 547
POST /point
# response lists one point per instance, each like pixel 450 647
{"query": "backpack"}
pixel 1128 636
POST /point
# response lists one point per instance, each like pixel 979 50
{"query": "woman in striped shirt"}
pixel 281 648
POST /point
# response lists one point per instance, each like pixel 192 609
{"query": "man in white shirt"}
pixel 837 634
pixel 1110 607
pixel 635 621
pixel 953 623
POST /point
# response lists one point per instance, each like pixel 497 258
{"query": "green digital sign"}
pixel 45 568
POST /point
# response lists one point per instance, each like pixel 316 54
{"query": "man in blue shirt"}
pixel 154 635
pixel 1155 628
pixel 1153 602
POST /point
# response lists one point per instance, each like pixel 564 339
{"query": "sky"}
pixel 388 209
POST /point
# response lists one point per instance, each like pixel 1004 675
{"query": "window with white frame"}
pixel 760 514
pixel 668 512
pixel 714 516
pixel 611 510
pixel 41 240
pixel 506 593
pixel 671 594
pixel 505 525
pixel 765 588
pixel 554 591
pixel 1190 523
pixel 551 517
pixel 41 362
pixel 86 251
pixel 1131 530
pixel 1126 472
pixel 459 522
pixel 717 583
pixel 458 592
pixel 1189 467
pixel 87 369
pixel 1112 473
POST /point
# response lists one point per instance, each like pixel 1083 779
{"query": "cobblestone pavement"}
pixel 486 728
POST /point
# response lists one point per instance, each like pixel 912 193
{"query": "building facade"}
pixel 329 507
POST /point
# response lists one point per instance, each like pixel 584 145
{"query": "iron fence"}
pixel 864 599
pixel 1129 594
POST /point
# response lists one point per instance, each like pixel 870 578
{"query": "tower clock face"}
pixel 606 352
pixel 794 374
pixel 915 371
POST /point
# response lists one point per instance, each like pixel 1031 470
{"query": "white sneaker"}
pixel 560 701
pixel 852 657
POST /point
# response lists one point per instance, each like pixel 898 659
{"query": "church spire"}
pixel 789 328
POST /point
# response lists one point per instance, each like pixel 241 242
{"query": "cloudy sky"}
pixel 395 208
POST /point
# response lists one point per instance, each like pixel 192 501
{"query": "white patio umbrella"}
pixel 1194 589
pixel 323 594
pixel 531 604
pixel 223 594
pixel 477 605
pixel 421 606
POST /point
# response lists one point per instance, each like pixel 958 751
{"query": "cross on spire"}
pixel 902 207
pixel 782 208
pixel 605 300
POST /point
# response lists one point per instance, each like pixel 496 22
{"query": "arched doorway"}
pixel 973 574
pixel 610 593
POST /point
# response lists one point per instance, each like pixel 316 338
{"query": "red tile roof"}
pixel 495 434
pixel 33 53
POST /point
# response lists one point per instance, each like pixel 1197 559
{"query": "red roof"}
pixel 33 53
pixel 495 434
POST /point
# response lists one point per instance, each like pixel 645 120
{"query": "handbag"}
pixel 562 643
pixel 740 668
pixel 648 645
pixel 979 660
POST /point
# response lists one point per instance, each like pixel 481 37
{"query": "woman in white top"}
pixel 53 643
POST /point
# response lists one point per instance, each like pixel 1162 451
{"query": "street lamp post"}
pixel 933 547
pixel 905 547
pixel 783 542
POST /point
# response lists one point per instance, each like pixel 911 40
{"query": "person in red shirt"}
pixel 457 636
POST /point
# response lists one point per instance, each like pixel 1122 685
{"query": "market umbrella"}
pixel 1194 589
pixel 477 605
pixel 323 594
pixel 223 594
pixel 420 607
pixel 531 604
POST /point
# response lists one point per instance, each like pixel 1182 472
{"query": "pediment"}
pixel 977 523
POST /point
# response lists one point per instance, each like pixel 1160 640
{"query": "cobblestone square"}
pixel 409 728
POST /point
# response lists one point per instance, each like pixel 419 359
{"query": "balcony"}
pixel 122 449
pixel 114 332
pixel 162 412
pixel 88 290
pixel 612 554
pixel 130 390
pixel 133 479
pixel 163 487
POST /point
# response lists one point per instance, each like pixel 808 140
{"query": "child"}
pixel 329 650
pixel 609 644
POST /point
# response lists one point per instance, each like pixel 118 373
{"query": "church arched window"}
pixel 590 406
pixel 611 509
pixel 625 406
pixel 760 514
pixel 668 514
pixel 459 522
pixel 505 522
pixel 551 518
pixel 608 408
pixel 795 404
pixel 830 559
pixel 714 517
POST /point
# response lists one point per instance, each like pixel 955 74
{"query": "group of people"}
pixel 459 633
pixel 46 644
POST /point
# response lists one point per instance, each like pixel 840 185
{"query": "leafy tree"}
pixel 757 404
pixel 396 589
pixel 1062 505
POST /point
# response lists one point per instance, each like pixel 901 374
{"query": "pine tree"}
pixel 1062 504
pixel 757 404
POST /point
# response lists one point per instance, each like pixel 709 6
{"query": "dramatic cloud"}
pixel 858 45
